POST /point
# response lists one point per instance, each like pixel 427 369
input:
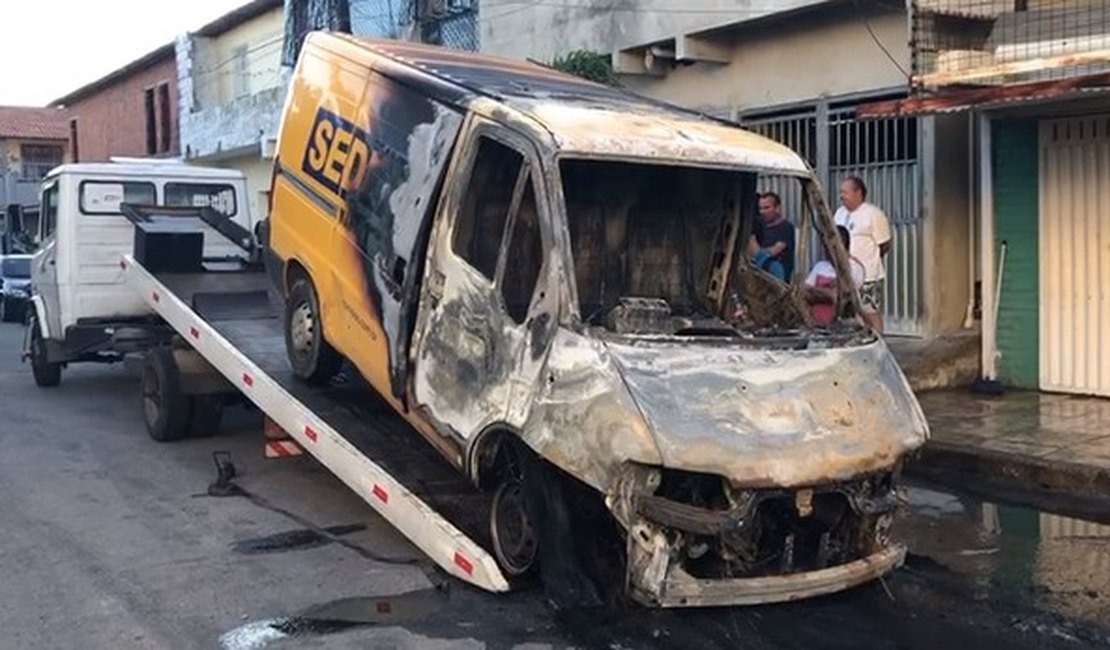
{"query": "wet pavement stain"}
pixel 338 616
pixel 379 610
pixel 293 540
pixel 1006 553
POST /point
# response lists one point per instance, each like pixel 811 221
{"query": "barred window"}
pixel 39 159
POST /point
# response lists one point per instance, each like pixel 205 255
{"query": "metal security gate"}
pixel 885 153
pixel 1075 255
pixel 797 130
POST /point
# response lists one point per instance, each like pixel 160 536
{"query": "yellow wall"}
pixel 262 37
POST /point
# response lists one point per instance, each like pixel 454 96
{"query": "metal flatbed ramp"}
pixel 230 321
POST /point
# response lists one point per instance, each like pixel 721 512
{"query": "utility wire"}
pixel 879 43
pixel 254 49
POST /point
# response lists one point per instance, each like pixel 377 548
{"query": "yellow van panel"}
pixel 360 158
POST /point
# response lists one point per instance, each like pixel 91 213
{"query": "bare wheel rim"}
pixel 302 326
pixel 152 396
pixel 514 536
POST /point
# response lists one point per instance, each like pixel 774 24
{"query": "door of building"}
pixel 1075 255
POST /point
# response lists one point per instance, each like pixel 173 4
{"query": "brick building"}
pixel 129 112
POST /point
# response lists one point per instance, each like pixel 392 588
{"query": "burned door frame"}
pixel 470 362
pixel 388 212
pixel 890 154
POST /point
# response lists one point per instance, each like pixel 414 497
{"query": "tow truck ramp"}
pixel 229 318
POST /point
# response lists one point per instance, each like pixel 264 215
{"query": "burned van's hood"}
pixel 772 417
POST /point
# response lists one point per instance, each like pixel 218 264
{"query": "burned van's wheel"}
pixel 312 358
pixel 165 407
pixel 512 526
pixel 47 374
pixel 205 414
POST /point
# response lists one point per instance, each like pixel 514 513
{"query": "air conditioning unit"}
pixel 962 60
pixel 440 8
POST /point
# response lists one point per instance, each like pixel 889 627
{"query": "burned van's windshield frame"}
pixel 669 237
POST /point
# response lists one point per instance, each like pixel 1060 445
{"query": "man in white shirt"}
pixel 870 234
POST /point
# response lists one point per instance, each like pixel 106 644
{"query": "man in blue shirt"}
pixel 772 243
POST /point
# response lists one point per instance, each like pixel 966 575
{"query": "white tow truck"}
pixel 227 323
pixel 156 262
pixel 80 308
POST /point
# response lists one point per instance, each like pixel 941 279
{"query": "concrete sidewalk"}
pixel 944 362
pixel 1030 446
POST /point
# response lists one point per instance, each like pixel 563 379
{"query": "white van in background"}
pixel 80 308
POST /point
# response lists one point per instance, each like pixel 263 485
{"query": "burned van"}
pixel 548 278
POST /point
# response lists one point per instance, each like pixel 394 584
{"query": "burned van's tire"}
pixel 573 516
pixel 46 373
pixel 513 529
pixel 165 407
pixel 205 414
pixel 312 358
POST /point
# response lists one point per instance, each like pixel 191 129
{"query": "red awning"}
pixel 963 99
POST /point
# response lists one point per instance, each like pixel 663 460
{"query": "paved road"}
pixel 107 540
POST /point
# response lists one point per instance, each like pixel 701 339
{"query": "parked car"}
pixel 15 284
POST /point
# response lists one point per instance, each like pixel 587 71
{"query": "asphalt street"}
pixel 110 540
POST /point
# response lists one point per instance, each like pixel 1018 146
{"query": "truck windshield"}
pixel 18 267
pixel 218 196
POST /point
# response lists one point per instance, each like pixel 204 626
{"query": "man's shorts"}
pixel 871 296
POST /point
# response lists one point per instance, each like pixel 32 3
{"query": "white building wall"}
pixel 544 31
pixel 811 56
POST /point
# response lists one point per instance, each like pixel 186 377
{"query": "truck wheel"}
pixel 165 407
pixel 205 413
pixel 312 358
pixel 47 374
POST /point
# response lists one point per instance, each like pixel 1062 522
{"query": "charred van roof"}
pixel 582 116
pixel 502 78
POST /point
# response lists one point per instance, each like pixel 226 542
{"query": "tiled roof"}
pixel 32 123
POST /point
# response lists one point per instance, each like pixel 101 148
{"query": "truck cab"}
pixel 81 310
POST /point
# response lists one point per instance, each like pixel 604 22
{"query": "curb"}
pixel 1062 486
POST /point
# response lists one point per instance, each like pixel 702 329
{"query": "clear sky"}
pixel 51 47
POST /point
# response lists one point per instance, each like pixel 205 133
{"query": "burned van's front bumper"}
pixel 677 588
pixel 695 540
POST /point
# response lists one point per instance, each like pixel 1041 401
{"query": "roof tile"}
pixel 32 123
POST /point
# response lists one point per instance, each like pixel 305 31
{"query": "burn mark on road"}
pixel 293 540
